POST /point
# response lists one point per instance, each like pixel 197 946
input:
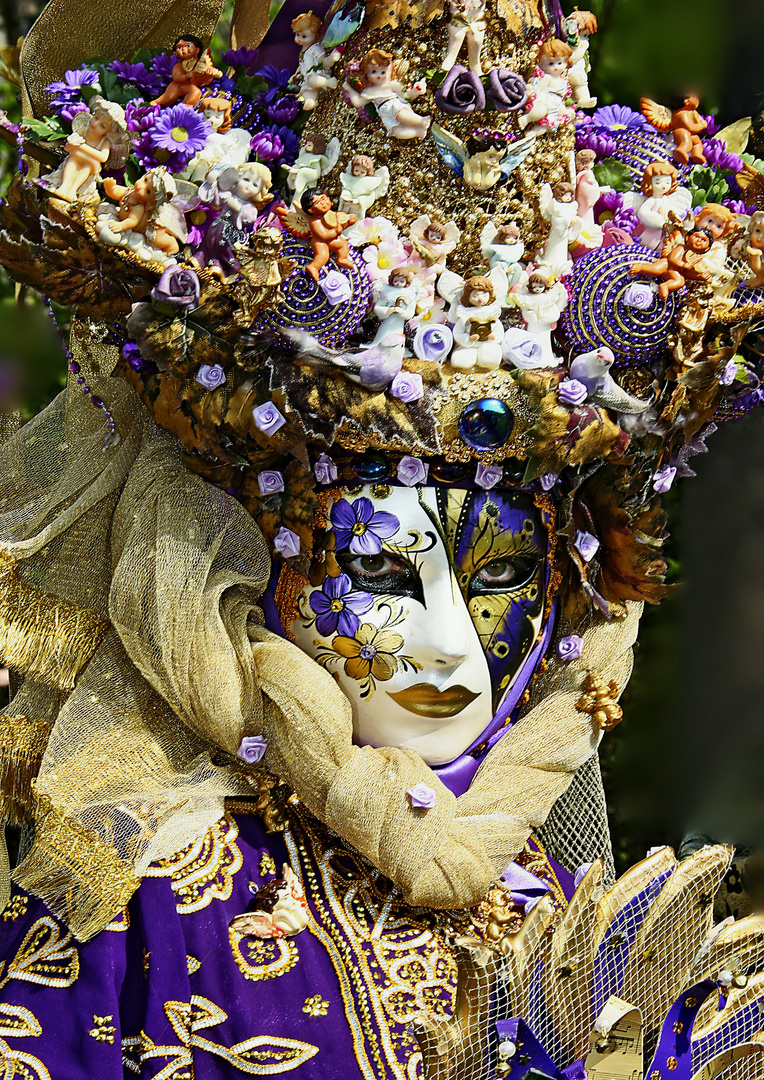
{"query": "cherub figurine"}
pixel 541 300
pixel 587 193
pixel 503 246
pixel 314 69
pixel 316 159
pixel 549 89
pixel 466 23
pixel 686 124
pixel 193 70
pixel 377 85
pixel 278 910
pixel 226 143
pixel 324 225
pixel 260 275
pixel 579 27
pixel 99 137
pixel 484 159
pixel 433 241
pixel 362 185
pixel 681 262
pixel 558 207
pixel 659 194
pixel 149 218
pixel 244 194
pixel 751 250
pixel 475 314
pixel 395 304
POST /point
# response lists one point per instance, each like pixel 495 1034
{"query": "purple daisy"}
pixel 178 133
pixel 618 118
pixel 139 116
pixel 338 606
pixel 607 206
pixel 359 528
pixel 275 76
pixel 737 206
pixel 596 139
pixel 241 58
pixel 719 157
pixel 67 100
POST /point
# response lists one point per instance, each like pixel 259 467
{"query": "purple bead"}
pixel 74 367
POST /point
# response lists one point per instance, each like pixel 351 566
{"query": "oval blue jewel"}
pixel 486 424
pixel 372 468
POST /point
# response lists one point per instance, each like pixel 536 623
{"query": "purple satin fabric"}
pixel 525 887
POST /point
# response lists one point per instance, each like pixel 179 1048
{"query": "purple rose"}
pixel 210 376
pixel 639 295
pixel 508 90
pixel 570 648
pixel 548 480
pixel 461 92
pixel 729 374
pixel 586 545
pixel 178 288
pixel 433 343
pixel 287 543
pixel 407 386
pixel 664 478
pixel 488 476
pixel 325 470
pixel 268 418
pixel 267 146
pixel 522 349
pixel 270 481
pixel 412 470
pixel 335 287
pixel 422 796
pixel 252 749
pixel 572 392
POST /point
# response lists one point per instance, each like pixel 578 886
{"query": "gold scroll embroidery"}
pixel 45 956
pixel 265 959
pixel 203 871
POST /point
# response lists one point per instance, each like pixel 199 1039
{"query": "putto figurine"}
pixel 325 226
pixel 148 219
pixel 682 262
pixel 558 207
pixel 685 123
pixel 193 71
pixel 579 27
pixel 466 23
pixel 659 194
pixel 376 84
pixel 503 246
pixel 316 159
pixel 588 192
pixel 475 314
pixel 278 910
pixel 753 251
pixel 433 241
pixel 549 91
pixel 394 305
pixel 314 70
pixel 362 185
pixel 99 138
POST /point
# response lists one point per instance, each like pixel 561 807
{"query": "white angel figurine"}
pixel 395 302
pixel 314 68
pixel 362 185
pixel 558 207
pixel 148 219
pixel 659 193
pixel 226 144
pixel 434 241
pixel 541 301
pixel 503 246
pixel 376 84
pixel 99 139
pixel 475 315
pixel 316 159
pixel 244 190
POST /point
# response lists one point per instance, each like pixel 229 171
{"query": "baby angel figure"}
pixel 475 315
pixel 467 22
pixel 314 69
pixel 558 206
pixel 278 910
pixel 503 246
pixel 226 143
pixel 549 89
pixel 376 84
pixel 541 300
pixel 99 138
pixel 579 27
pixel 659 193
pixel 433 241
pixel 362 185
pixel 316 159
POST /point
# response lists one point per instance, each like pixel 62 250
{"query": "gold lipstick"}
pixel 424 699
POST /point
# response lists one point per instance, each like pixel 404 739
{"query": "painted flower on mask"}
pixel 361 529
pixel 370 653
pixel 337 606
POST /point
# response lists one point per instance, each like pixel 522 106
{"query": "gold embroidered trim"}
pixel 267 959
pixel 70 861
pixel 17 1063
pixel 22 744
pixel 41 635
pixel 45 957
pixel 203 871
pixel 19 1022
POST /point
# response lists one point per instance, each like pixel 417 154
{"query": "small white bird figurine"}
pixel 593 370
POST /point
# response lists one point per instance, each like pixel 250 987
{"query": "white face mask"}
pixel 415 599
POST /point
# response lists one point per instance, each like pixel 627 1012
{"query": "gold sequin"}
pixel 316 1006
pixel 103 1029
pixel 16 906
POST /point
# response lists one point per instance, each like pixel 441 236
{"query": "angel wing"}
pixel 498 278
pixel 450 147
pixel 292 880
pixel 657 115
pixel 295 220
pixel 546 201
pixel 487 235
pixel 170 217
pixel 342 25
pixel 382 174
pixel 516 155
pixel 332 154
pixel 450 286
pixel 253 924
pixel 186 197
pixel 752 183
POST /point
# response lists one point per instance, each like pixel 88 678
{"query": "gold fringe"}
pixel 41 635
pixel 78 876
pixel 22 745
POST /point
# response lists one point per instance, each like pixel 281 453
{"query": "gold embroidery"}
pixel 17 1021
pixel 266 959
pixel 44 957
pixel 204 870
pixel 267 865
pixel 121 923
pixel 192 964
pixel 316 1006
pixel 146 959
pixel 17 905
pixel 104 1030
pixel 22 745
pixel 15 1063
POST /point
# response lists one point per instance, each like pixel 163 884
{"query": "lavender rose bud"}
pixel 210 376
pixel 664 478
pixel 508 90
pixel 572 392
pixel 729 374
pixel 521 349
pixel 335 287
pixel 270 481
pixel 570 648
pixel 586 545
pixel 287 543
pixel 268 418
pixel 433 343
pixel 325 470
pixel 461 92
pixel 267 147
pixel 422 796
pixel 407 386
pixel 177 288
pixel 252 749
pixel 412 470
pixel 488 476
pixel 548 480
pixel 639 295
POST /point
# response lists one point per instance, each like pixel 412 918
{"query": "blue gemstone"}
pixel 372 468
pixel 486 424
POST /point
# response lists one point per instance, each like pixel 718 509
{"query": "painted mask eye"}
pixel 503 575
pixel 383 574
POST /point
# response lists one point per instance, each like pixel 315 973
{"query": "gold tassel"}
pixel 41 635
pixel 22 745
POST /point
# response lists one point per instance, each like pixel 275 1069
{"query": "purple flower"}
pixel 488 476
pixel 521 348
pixel 268 418
pixel 162 66
pixel 178 132
pixel 277 77
pixel 325 470
pixel 290 142
pixel 508 90
pixel 586 545
pixel 132 354
pixel 737 206
pixel 139 116
pixel 252 749
pixel 177 288
pixel 433 343
pixel 211 376
pixel 618 118
pixel 713 126
pixel 68 93
pixel 412 470
pixel 266 146
pixel 241 58
pixel 422 796
pixel 359 528
pixel 335 287
pixel 338 605
pixel 68 111
pixel 407 386
pixel 270 481
pixel 591 138
pixel 548 480
pixel 287 543
pixel 572 392
pixel 137 74
pixel 719 157
pixel 283 110
pixel 664 478
pixel 461 92
pixel 570 647
pixel 639 295
pixel 607 206
pixel 729 374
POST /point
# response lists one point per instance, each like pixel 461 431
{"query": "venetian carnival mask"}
pixel 429 602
